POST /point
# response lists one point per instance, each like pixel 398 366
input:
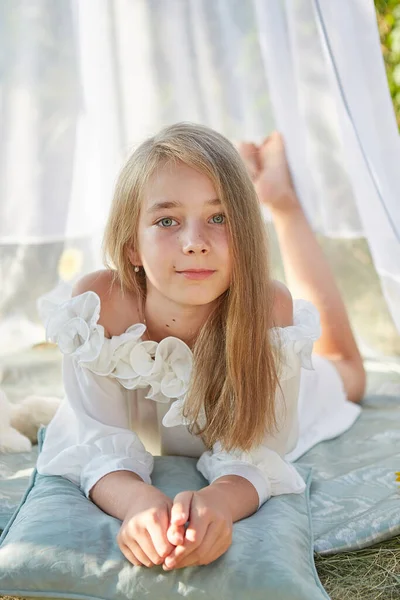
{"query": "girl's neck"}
pixel 164 318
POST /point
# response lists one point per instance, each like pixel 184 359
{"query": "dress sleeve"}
pixel 90 435
pixel 265 466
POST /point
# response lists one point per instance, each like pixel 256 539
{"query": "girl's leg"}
pixel 307 271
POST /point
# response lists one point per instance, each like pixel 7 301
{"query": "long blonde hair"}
pixel 235 368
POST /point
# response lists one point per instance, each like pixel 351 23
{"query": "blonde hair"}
pixel 235 364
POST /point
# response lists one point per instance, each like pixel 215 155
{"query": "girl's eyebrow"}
pixel 174 204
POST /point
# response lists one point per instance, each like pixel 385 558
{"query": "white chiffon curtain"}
pixel 84 81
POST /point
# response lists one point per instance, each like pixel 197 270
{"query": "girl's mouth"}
pixel 199 274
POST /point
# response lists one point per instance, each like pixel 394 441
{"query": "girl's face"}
pixel 181 227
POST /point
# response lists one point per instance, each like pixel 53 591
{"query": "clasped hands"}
pixel 194 529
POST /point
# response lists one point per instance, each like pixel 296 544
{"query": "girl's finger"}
pixel 137 550
pixel 176 534
pixel 147 546
pixel 194 555
pixel 194 536
pixel 158 533
pixel 176 555
pixel 214 541
pixel 127 552
pixel 193 560
pixel 196 530
pixel 203 556
pixel 180 511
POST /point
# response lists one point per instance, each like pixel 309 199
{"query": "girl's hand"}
pixel 209 531
pixel 269 170
pixel 142 537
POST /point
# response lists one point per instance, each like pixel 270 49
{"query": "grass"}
pixel 369 574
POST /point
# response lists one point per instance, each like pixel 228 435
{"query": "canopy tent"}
pixel 83 82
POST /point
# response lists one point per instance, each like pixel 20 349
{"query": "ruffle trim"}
pixel 297 340
pixel 164 366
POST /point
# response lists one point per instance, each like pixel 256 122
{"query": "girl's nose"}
pixel 193 240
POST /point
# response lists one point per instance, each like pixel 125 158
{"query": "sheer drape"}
pixel 82 82
pixel 333 105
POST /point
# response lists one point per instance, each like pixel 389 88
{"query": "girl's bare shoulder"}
pixel 118 309
pixel 282 311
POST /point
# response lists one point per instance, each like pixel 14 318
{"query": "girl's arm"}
pixel 90 442
pixel 145 514
pixel 114 493
pixel 237 493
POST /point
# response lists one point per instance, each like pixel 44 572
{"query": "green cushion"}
pixel 60 545
pixel 15 473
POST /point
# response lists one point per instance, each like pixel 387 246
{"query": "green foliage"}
pixel 388 18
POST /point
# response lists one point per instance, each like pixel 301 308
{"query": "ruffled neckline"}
pixel 165 367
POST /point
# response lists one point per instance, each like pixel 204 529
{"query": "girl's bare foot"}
pixel 251 158
pixel 269 171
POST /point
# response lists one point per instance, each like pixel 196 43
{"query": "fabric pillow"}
pixel 15 474
pixel 60 545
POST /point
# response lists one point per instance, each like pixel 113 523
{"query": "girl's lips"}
pixel 196 274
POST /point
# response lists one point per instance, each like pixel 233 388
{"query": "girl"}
pixel 185 346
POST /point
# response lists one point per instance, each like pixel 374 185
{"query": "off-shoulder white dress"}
pixel 124 397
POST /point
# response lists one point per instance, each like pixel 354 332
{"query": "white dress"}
pixel 124 397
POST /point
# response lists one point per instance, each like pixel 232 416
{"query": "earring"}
pixel 136 269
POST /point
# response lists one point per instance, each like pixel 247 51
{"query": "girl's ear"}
pixel 133 256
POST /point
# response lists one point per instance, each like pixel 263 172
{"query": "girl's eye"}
pixel 220 216
pixel 166 222
pixel 162 220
